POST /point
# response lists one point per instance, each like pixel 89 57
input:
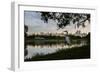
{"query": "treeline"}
pixel 46 37
pixel 53 37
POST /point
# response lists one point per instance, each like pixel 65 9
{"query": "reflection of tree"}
pixel 64 19
pixel 25 50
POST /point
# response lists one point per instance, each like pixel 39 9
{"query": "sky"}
pixel 33 20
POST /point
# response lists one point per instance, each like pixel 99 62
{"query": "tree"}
pixel 64 19
pixel 25 30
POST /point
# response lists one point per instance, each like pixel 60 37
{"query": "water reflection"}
pixel 43 49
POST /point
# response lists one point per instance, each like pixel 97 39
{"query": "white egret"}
pixel 67 38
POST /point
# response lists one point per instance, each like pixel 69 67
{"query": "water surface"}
pixel 48 48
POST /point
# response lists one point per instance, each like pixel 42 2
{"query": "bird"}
pixel 67 38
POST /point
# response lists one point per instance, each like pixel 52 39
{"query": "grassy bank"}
pixel 73 53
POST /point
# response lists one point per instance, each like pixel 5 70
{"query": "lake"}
pixel 42 48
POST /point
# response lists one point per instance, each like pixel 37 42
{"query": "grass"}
pixel 72 53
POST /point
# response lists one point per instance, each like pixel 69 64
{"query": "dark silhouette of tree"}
pixel 25 36
pixel 25 30
pixel 88 38
pixel 64 19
